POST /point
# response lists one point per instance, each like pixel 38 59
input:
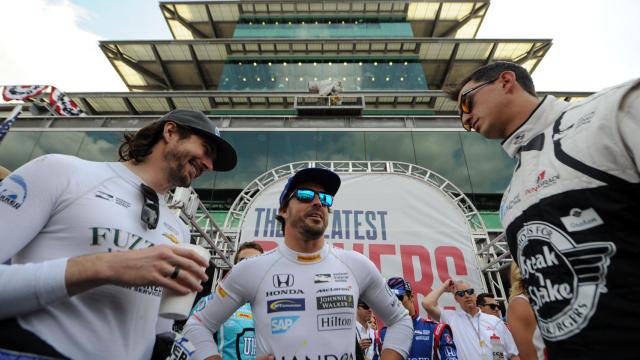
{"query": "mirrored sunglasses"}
pixel 307 195
pixel 462 292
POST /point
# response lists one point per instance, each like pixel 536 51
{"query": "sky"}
pixel 596 43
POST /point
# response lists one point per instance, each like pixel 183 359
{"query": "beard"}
pixel 176 161
pixel 309 231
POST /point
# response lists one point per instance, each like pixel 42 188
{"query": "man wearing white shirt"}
pixel 472 328
pixel 365 334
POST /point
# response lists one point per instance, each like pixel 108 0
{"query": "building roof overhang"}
pixel 197 64
pixel 218 19
pixel 160 102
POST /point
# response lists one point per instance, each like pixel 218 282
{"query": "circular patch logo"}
pixel 564 280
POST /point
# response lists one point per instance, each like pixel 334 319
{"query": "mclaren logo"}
pixel 283 280
pixel 564 279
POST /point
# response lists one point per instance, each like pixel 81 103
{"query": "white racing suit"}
pixel 570 215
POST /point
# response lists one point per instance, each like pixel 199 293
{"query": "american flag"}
pixel 6 125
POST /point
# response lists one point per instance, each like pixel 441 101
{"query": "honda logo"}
pixel 283 280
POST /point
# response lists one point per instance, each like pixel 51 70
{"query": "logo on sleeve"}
pixel 564 279
pixel 281 305
pixel 282 324
pixel 13 191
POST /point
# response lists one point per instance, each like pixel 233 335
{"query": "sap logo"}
pixel 13 191
pixel 284 292
pixel 280 305
pixel 281 324
pixel 283 280
pixel 338 321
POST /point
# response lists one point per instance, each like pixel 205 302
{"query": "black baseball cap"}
pixel 226 157
pixel 329 180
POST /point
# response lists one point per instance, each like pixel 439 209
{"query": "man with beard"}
pixel 478 335
pixel 90 243
pixel 304 293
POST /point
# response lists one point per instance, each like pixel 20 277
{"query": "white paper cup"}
pixel 173 305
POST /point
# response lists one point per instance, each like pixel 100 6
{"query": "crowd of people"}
pixel 88 248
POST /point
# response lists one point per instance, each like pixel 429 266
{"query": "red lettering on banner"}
pixel 422 286
pixel 267 244
pixel 338 245
pixel 444 252
pixel 359 247
pixel 377 250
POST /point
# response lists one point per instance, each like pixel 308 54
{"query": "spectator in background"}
pixel 522 320
pixel 473 329
pixel 4 172
pixel 431 340
pixel 488 304
pixel 236 337
pixel 365 335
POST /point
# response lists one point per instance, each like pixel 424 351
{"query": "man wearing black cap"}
pixel 304 293
pixel 90 242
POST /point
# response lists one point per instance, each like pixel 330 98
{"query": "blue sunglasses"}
pixel 307 195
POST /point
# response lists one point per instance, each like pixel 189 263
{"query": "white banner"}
pixel 405 226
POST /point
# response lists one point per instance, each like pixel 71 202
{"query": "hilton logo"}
pixel 338 321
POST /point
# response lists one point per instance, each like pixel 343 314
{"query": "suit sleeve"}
pixel 446 345
pixel 28 197
pixel 230 294
pixel 385 304
pixel 629 123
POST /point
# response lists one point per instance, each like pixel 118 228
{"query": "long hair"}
pixel 137 146
pixel 517 287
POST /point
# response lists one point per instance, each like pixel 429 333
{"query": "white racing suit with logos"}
pixel 570 215
pixel 304 306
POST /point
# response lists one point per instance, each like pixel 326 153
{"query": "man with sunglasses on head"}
pixel 90 243
pixel 476 333
pixel 431 340
pixel 304 293
pixel 570 209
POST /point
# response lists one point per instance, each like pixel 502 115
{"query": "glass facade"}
pixel 295 75
pixel 322 29
pixel 474 164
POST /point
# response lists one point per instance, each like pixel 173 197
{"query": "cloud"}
pixel 593 44
pixel 42 43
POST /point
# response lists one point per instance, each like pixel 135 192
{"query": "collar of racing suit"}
pixel 540 119
pixel 303 258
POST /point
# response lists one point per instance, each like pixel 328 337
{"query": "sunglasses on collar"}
pixel 307 195
pixel 150 207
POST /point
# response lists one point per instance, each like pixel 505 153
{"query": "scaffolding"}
pixel 491 254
